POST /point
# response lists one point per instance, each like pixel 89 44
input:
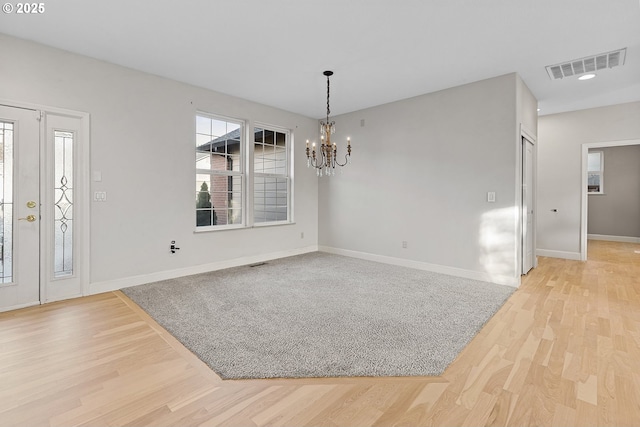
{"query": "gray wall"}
pixel 142 140
pixel 421 171
pixel 560 139
pixel 617 211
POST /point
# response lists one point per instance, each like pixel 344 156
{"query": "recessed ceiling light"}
pixel 586 76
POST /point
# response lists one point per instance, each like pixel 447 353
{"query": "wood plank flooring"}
pixel 563 350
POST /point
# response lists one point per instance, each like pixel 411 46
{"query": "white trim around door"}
pixel 583 191
pixel 75 189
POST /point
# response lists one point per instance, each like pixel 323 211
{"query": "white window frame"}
pixel 598 172
pixel 288 175
pixel 242 172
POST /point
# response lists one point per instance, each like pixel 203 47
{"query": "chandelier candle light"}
pixel 327 159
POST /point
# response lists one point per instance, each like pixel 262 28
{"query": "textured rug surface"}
pixel 322 315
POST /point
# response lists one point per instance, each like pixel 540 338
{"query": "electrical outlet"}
pixel 99 196
pixel 404 244
pixel 302 234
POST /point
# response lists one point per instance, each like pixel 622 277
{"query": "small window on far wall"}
pixel 595 172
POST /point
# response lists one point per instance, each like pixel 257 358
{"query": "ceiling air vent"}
pixel 589 64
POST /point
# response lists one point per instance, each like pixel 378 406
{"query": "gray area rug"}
pixel 322 315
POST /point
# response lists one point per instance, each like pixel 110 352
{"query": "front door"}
pixel 42 206
pixel 19 207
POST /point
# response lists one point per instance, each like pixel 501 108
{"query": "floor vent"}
pixel 589 64
pixel 257 264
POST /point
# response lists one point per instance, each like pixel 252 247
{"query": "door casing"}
pixel 527 135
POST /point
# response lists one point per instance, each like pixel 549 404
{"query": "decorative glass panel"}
pixel 6 202
pixel 63 198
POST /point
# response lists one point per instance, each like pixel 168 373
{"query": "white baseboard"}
pixel 419 265
pixel 558 254
pixel 19 306
pixel 623 239
pixel 113 285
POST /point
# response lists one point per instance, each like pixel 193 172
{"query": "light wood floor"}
pixel 563 350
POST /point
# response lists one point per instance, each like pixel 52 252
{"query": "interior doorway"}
pixel 584 189
pixel 527 208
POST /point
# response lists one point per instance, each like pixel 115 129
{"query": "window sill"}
pixel 219 228
pixel 240 227
pixel 271 224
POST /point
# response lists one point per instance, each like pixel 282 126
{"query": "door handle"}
pixel 30 218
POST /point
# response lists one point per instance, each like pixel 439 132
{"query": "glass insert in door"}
pixel 6 202
pixel 63 191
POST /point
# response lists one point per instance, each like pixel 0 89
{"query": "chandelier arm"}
pixel 346 161
pixel 315 163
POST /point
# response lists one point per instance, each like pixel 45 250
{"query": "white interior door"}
pixel 527 206
pixel 20 208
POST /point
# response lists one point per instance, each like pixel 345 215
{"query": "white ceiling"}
pixel 274 51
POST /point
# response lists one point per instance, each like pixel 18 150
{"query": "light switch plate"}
pixel 491 196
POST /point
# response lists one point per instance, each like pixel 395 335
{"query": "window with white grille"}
pixel 271 178
pixel 219 172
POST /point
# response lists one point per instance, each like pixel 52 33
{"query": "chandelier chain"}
pixel 328 92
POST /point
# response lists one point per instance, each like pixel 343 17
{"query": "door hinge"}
pixel 39 115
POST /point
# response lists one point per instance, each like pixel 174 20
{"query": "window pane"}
pixel 233 163
pixel 258 135
pixel 203 160
pixel 219 161
pixel 203 125
pixel 219 128
pixel 269 137
pixel 593 182
pixel 280 163
pixel 218 138
pixel 258 158
pixel 202 142
pixel 204 210
pixel 270 199
pixel 594 161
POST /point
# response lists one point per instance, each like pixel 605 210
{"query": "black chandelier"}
pixel 326 160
